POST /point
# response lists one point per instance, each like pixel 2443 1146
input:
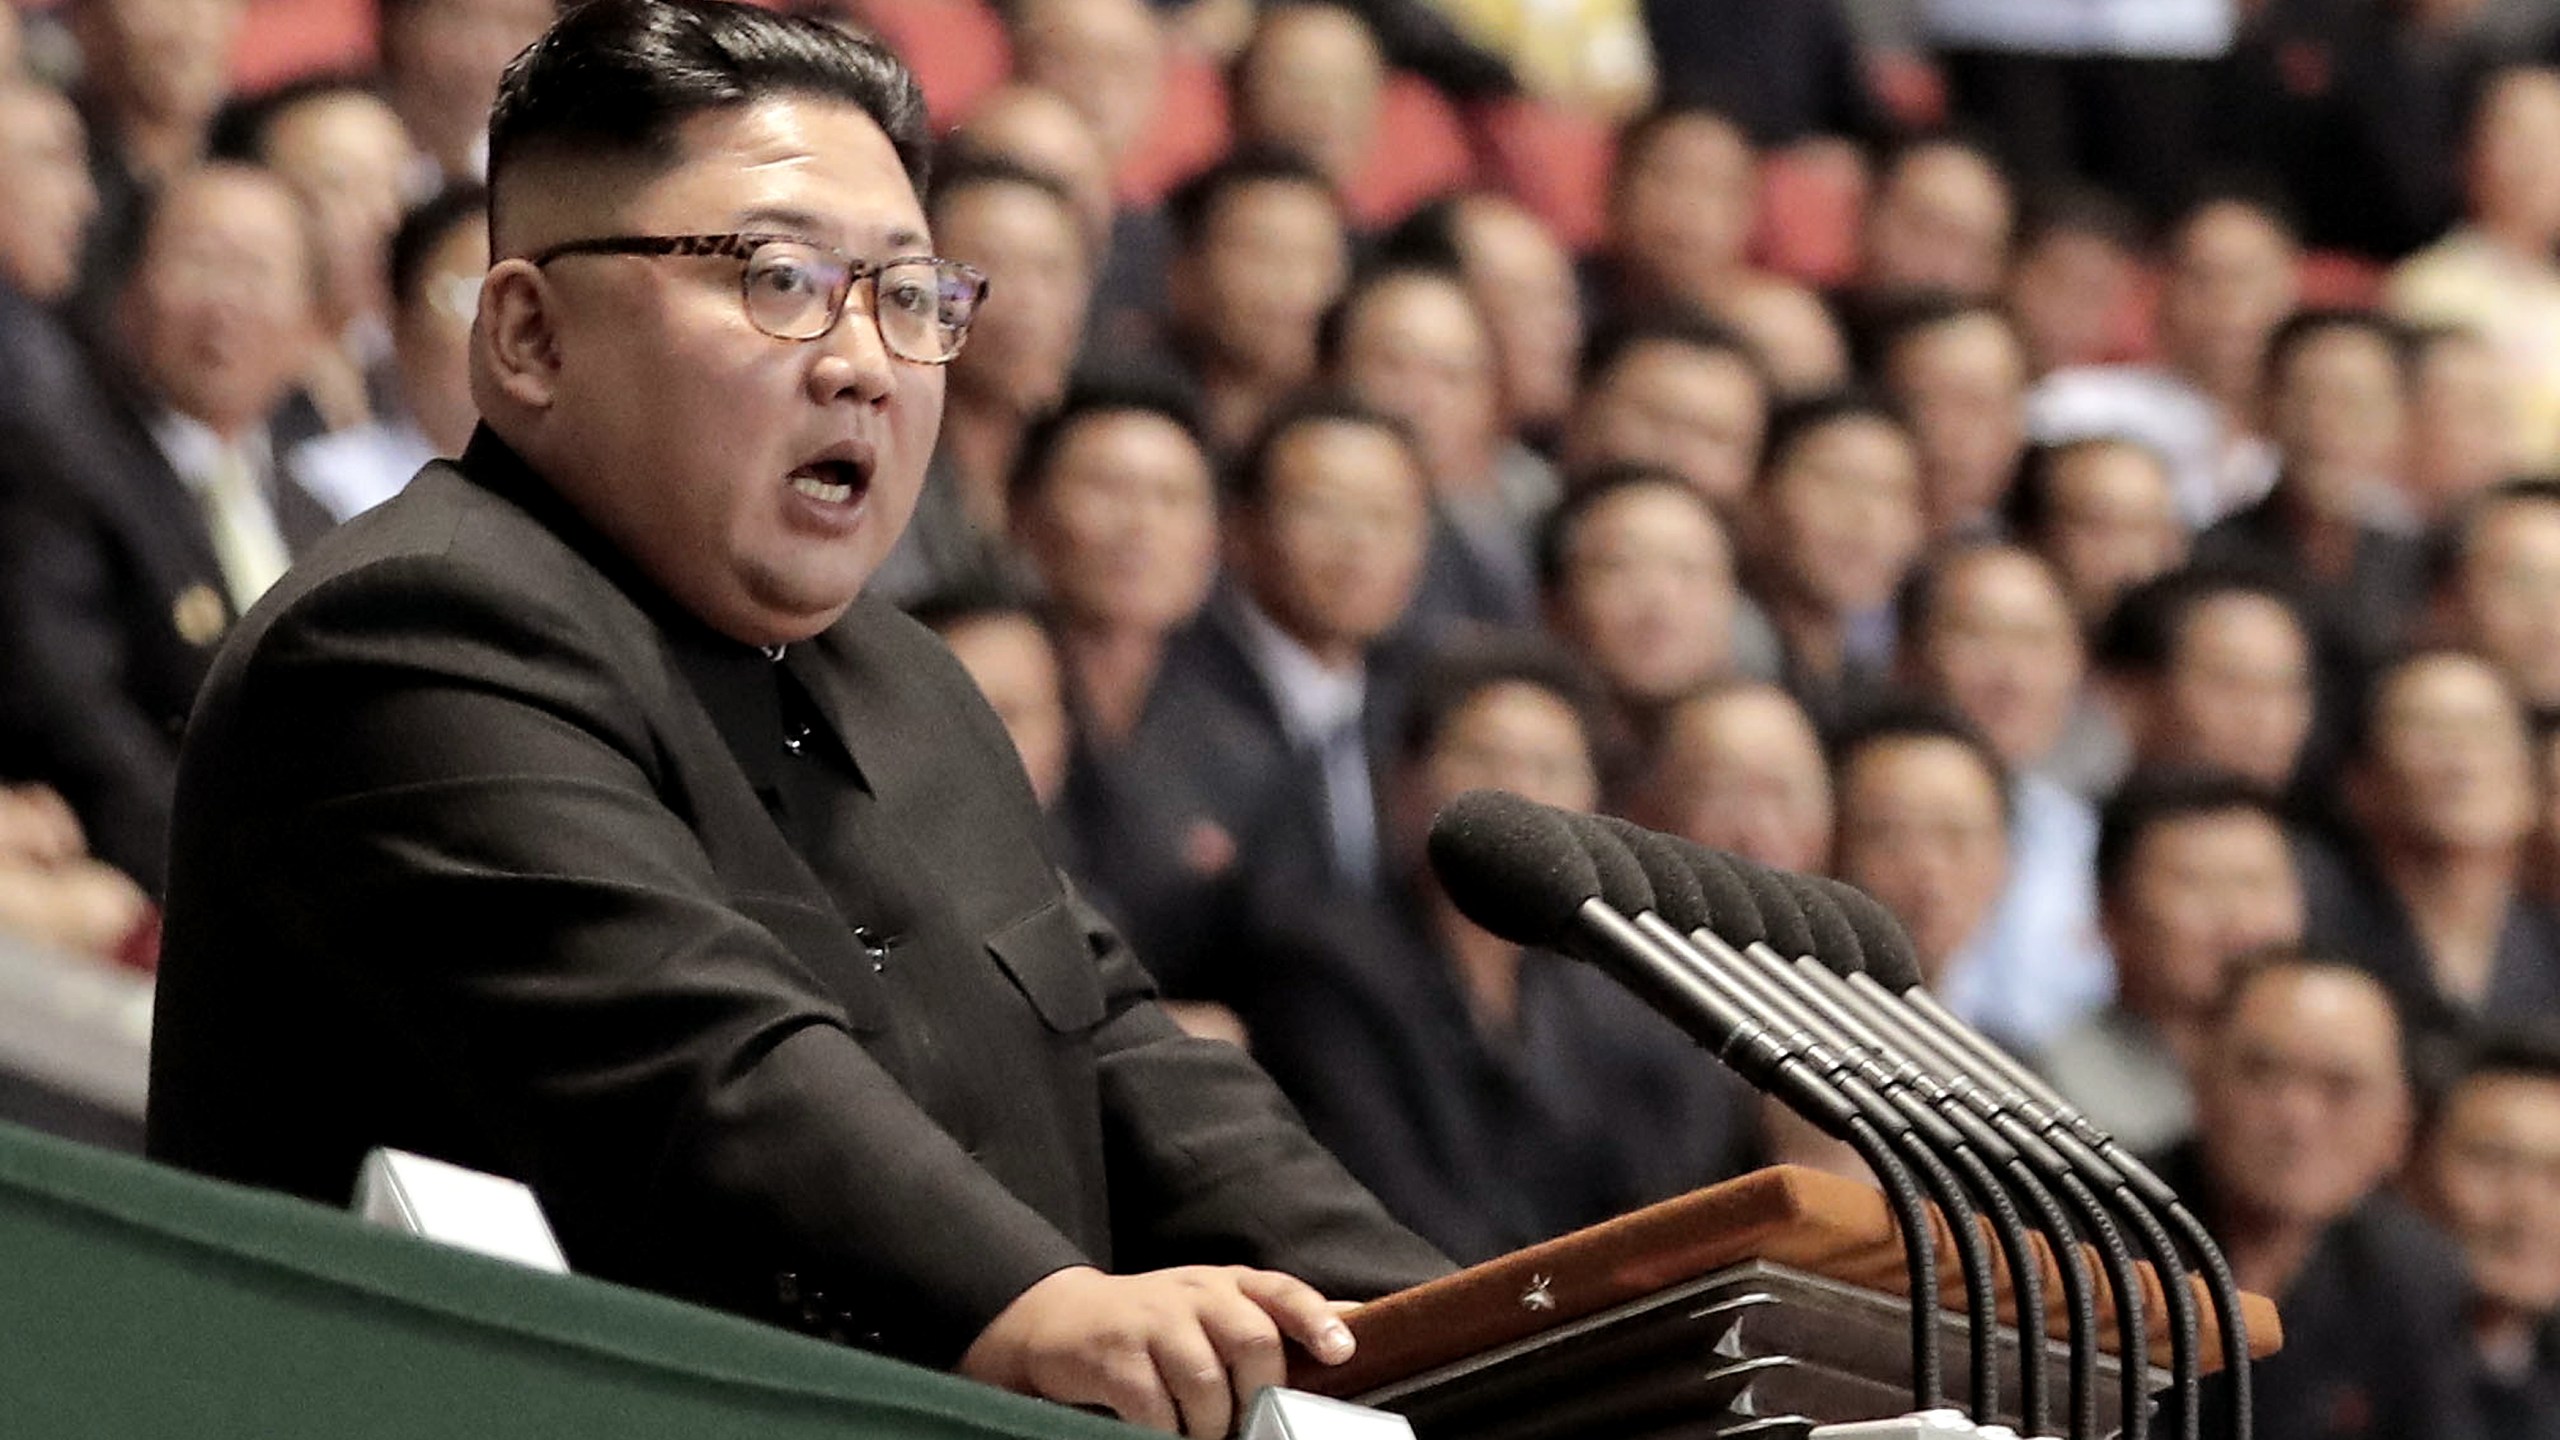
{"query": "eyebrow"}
pixel 903 239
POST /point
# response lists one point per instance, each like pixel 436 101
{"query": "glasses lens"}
pixel 926 306
pixel 794 290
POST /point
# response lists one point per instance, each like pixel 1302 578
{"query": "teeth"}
pixel 817 489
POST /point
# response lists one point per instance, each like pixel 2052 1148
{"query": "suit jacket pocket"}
pixel 1048 956
pixel 820 940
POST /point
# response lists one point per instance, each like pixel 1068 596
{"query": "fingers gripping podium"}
pixel 1767 1305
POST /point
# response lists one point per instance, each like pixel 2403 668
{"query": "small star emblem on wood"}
pixel 1540 1295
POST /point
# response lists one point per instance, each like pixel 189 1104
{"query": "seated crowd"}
pixel 2085 490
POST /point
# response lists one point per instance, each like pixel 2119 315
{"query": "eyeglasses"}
pixel 796 289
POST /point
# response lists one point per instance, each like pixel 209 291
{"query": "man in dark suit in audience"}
pixel 1327 527
pixel 570 816
pixel 147 510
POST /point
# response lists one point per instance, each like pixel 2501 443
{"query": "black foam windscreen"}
pixel 1731 911
pixel 1835 940
pixel 1677 896
pixel 1624 887
pixel 1780 914
pixel 1515 867
pixel 1891 958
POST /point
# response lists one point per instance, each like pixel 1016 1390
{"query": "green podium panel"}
pixel 140 1303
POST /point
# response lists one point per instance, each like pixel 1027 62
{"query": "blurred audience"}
pixel 1637 571
pixel 1682 204
pixel 2487 1168
pixel 53 894
pixel 1676 393
pixel 1260 254
pixel 1958 372
pixel 1792 333
pixel 1311 82
pixel 1736 766
pixel 2212 668
pixel 1492 1097
pixel 151 82
pixel 1941 223
pixel 2104 513
pixel 131 535
pixel 2077 276
pixel 44 173
pixel 2496 577
pixel 2462 422
pixel 2193 870
pixel 1924 827
pixel 2303 1110
pixel 440 65
pixel 438 257
pixel 1524 284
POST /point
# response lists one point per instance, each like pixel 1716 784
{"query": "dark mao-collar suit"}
pixel 775 1001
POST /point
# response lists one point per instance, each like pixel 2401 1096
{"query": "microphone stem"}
pixel 1919 1258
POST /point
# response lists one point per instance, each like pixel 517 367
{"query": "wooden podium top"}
pixel 1806 1219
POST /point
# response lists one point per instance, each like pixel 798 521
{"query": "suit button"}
pixel 786 1288
pixel 874 949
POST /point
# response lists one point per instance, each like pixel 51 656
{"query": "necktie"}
pixel 245 539
pixel 1350 805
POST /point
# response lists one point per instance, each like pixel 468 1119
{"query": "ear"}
pixel 516 343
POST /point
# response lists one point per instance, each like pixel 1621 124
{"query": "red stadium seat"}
pixel 956 47
pixel 1554 161
pixel 2332 279
pixel 1812 204
pixel 283 40
pixel 1192 129
pixel 1421 151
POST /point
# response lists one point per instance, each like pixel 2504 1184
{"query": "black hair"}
pixel 617 78
pixel 1638 136
pixel 1249 482
pixel 2526 1048
pixel 1470 662
pixel 1904 718
pixel 2258 194
pixel 2250 967
pixel 1904 318
pixel 2362 727
pixel 2449 544
pixel 1676 323
pixel 427 225
pixel 2077 209
pixel 2296 332
pixel 1428 237
pixel 1563 525
pixel 1333 330
pixel 1191 208
pixel 1122 390
pixel 2029 508
pixel 2149 799
pixel 2142 634
pixel 1795 421
pixel 1915 603
pixel 239 130
pixel 973 169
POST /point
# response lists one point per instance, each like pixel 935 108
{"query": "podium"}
pixel 1760 1307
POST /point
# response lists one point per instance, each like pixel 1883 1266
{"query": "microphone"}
pixel 1924 1139
pixel 1521 871
pixel 1990 1079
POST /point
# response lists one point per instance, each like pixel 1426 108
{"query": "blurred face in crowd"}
pixel 2507 594
pixel 2111 522
pixel 2462 422
pixel 1792 333
pixel 1334 548
pixel 2514 164
pixel 1923 828
pixel 345 153
pixel 1042 133
pixel 1015 667
pixel 1105 57
pixel 2237 693
pixel 1685 205
pixel 1741 770
pixel 1416 349
pixel 1312 81
pixel 1940 222
pixel 1698 413
pixel 2299 1099
pixel 758 481
pixel 2070 291
pixel 44 170
pixel 2233 277
pixel 431 336
pixel 2001 646
pixel 2199 888
pixel 1271 261
pixel 1647 592
pixel 218 314
pixel 1039 283
pixel 1123 528
pixel 1964 385
pixel 1840 514
pixel 2490 1174
pixel 2448 766
pixel 1524 284
pixel 443 59
pixel 2339 412
pixel 1517 736
pixel 158 62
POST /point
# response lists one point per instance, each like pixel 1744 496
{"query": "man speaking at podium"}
pixel 571 818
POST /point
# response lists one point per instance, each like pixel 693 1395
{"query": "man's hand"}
pixel 1177 1350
